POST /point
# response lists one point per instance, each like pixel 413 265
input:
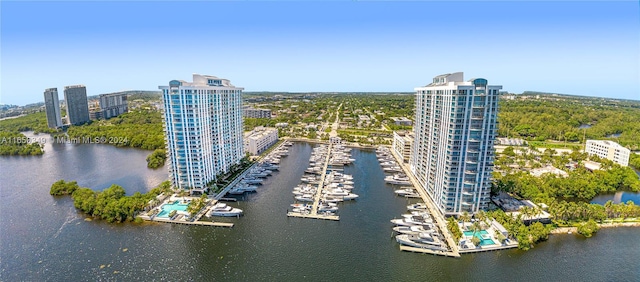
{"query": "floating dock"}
pixel 429 251
pixel 316 198
pixel 201 223
pixel 316 216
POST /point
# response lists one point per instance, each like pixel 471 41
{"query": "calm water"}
pixel 619 197
pixel 44 238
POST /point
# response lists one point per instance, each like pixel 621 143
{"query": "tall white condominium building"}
pixel 452 153
pixel 260 139
pixel 52 107
pixel 608 150
pixel 203 129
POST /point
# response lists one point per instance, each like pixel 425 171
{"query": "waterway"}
pixel 43 238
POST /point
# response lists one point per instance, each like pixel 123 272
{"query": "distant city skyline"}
pixel 578 48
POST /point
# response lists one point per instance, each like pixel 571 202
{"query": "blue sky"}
pixel 583 48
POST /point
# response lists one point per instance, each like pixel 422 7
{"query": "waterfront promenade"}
pixel 435 214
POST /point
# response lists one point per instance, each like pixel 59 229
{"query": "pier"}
pixel 435 213
pixel 429 251
pixel 316 198
pixel 202 223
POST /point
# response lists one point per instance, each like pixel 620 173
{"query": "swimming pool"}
pixel 480 233
pixel 483 235
pixel 167 208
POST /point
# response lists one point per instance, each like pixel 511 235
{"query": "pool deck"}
pixel 196 220
pixel 316 198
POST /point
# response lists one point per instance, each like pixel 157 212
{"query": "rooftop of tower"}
pixel 200 80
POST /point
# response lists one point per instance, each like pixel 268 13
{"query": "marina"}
pixel 323 185
pixel 53 242
pixel 418 230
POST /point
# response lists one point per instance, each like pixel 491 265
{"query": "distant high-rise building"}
pixel 608 150
pixel 256 113
pixel 52 107
pixel 454 131
pixel 203 129
pixel 113 104
pixel 75 97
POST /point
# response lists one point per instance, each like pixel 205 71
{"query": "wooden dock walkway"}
pixel 429 251
pixel 201 223
pixel 315 216
pixel 316 198
pixel 435 213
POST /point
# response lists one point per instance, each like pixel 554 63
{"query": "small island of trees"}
pixel 110 204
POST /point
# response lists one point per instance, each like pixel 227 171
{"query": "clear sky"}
pixel 583 48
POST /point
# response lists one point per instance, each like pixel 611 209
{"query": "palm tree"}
pixel 465 217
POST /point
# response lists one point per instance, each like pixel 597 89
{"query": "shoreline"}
pixel 574 230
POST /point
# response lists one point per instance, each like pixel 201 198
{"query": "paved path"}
pixel 435 212
pixel 316 198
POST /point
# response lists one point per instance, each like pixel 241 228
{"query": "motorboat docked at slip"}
pixel 411 221
pixel 412 230
pixel 420 240
pixel 397 179
pixel 404 192
pixel 417 207
pixel 222 209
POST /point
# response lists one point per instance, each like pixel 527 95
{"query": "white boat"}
pixel 397 179
pixel 417 207
pixel 420 240
pixel 403 192
pixel 392 169
pixel 301 206
pixel 408 222
pixel 222 209
pixel 351 196
pixel 332 199
pixel 412 195
pixel 412 230
pixel 324 208
pixel 299 210
pixel 305 198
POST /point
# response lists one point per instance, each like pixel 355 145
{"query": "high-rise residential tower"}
pixel 113 104
pixel 452 154
pixel 52 107
pixel 203 129
pixel 75 97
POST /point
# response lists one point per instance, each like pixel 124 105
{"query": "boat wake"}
pixel 71 217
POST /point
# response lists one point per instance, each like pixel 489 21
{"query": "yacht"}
pixel 301 206
pixel 404 192
pixel 331 199
pixel 324 208
pixel 417 207
pixel 349 197
pixel 241 188
pixel 397 179
pixel 412 230
pixel 409 222
pixel 251 180
pixel 392 169
pixel 305 198
pixel 420 240
pixel 222 209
